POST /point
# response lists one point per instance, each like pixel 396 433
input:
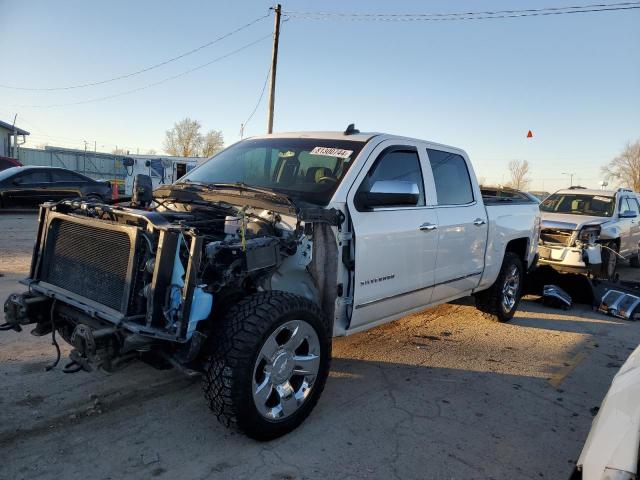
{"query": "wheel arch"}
pixel 520 247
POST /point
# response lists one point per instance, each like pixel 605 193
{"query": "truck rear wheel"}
pixel 500 301
pixel 268 365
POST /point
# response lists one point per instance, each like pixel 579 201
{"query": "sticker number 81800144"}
pixel 331 152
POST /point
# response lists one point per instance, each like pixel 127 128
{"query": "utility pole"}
pixel 570 177
pixel 274 64
pixel 15 137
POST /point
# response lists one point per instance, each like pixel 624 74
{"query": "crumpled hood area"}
pixel 615 434
pixel 570 222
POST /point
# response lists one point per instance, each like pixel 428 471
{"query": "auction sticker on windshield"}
pixel 331 152
pixel 603 199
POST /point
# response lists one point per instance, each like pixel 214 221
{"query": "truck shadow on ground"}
pixel 393 417
pixel 440 394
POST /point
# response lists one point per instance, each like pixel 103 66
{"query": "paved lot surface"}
pixel 444 394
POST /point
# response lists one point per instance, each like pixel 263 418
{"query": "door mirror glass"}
pixel 628 214
pixel 389 193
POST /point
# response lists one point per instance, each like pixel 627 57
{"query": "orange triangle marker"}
pixel 529 134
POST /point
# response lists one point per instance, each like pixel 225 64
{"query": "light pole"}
pixel 570 177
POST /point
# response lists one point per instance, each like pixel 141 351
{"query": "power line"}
pixel 146 69
pixel 144 87
pixel 264 87
pixel 603 7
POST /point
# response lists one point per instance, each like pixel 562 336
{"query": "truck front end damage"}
pixel 121 283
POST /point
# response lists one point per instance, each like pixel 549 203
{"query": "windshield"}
pixel 4 174
pixel 305 168
pixel 576 204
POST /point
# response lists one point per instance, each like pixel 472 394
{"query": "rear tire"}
pixel 268 364
pixel 500 301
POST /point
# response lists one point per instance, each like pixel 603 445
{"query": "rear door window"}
pixel 451 176
pixel 37 176
pixel 62 176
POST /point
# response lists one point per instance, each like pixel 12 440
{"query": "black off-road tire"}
pixel 635 260
pixel 238 338
pixel 490 301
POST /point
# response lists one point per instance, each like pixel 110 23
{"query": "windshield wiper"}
pixel 250 188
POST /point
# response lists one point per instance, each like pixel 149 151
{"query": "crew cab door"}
pixel 629 226
pixel 462 225
pixel 395 246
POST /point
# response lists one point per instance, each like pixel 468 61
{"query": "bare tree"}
pixel 519 171
pixel 119 151
pixel 152 151
pixel 625 168
pixel 212 143
pixel 184 139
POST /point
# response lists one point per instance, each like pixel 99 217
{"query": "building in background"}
pixel 162 169
pixel 9 139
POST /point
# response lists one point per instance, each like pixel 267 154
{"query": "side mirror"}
pixel 628 214
pixel 142 194
pixel 388 193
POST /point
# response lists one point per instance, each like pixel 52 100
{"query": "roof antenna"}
pixel 351 129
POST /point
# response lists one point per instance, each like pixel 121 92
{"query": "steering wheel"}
pixel 327 179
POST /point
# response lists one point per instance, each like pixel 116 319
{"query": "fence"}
pixel 97 165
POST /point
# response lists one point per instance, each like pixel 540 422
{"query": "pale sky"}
pixel 574 80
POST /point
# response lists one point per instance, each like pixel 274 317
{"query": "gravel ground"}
pixel 440 394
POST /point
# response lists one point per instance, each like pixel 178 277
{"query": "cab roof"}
pixel 593 191
pixel 357 137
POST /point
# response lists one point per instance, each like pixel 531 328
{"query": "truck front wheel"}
pixel 268 365
pixel 500 301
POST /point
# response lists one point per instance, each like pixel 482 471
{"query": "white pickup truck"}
pixel 246 267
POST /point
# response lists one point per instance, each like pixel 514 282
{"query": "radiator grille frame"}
pixel 125 268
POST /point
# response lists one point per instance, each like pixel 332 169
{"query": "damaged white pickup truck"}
pixel 588 231
pixel 245 268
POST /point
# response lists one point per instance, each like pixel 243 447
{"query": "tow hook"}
pixel 91 348
pixel 24 309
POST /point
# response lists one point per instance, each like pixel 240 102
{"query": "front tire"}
pixel 268 365
pixel 635 260
pixel 610 260
pixel 500 301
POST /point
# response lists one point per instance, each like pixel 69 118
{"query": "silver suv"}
pixel 589 230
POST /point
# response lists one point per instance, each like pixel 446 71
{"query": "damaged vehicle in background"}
pixel 244 269
pixel 589 231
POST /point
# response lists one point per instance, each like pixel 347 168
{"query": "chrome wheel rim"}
pixel 286 369
pixel 510 289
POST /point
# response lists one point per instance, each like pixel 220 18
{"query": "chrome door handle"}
pixel 478 222
pixel 428 227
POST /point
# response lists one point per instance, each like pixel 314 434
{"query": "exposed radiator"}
pixel 89 261
pixel 556 237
